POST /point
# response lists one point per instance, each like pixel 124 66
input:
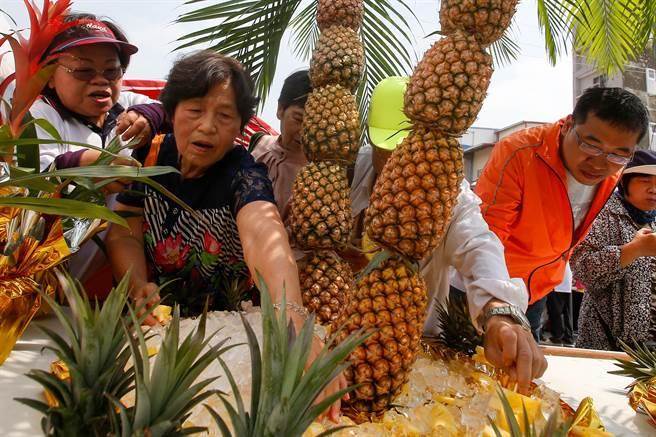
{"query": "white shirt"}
pixel 566 285
pixel 468 246
pixel 580 198
pixel 72 129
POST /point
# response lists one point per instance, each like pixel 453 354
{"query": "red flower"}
pixel 32 70
pixel 170 254
pixel 210 244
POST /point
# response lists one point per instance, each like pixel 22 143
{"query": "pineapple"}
pixel 456 329
pixel 414 196
pixel 331 126
pixel 347 13
pixel 338 59
pixel 390 301
pixel 486 20
pixel 283 390
pixel 83 407
pixel 84 391
pixel 320 210
pixel 326 285
pixel 448 86
pixel 642 368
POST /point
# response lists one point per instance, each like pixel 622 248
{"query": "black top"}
pixel 203 252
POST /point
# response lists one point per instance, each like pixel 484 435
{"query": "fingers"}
pixel 508 343
pixel 524 364
pixel 133 125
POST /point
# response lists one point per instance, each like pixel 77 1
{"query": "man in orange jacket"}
pixel 543 187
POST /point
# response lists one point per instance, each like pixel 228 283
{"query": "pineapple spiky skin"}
pixel 331 126
pixel 326 285
pixel 320 210
pixel 486 20
pixel 414 196
pixel 447 88
pixel 347 13
pixel 390 300
pixel 337 59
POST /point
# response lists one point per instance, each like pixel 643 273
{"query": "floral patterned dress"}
pixel 199 255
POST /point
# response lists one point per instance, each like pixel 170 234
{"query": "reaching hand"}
pixel 148 297
pixel 510 347
pixel 335 385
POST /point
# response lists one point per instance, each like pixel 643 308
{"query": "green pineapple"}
pixel 643 366
pixel 96 355
pixel 282 392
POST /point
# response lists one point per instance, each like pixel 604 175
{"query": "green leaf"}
pixel 64 207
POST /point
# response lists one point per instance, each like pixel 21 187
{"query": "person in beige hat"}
pixel 470 252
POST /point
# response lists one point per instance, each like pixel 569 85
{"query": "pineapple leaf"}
pixel 223 427
pixel 643 366
pixel 32 403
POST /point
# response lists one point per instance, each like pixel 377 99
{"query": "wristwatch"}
pixel 508 311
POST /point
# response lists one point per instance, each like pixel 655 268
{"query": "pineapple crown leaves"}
pixel 282 390
pixel 456 328
pixel 643 366
pixel 166 393
pixel 96 358
pixel 554 427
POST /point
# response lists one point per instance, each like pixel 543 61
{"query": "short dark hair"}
pixel 616 106
pixel 194 75
pixel 80 31
pixel 295 89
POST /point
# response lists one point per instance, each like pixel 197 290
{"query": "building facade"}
pixel 639 77
pixel 477 144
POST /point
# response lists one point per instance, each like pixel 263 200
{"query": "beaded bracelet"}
pixel 296 308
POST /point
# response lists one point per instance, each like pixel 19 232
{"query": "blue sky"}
pixel 528 89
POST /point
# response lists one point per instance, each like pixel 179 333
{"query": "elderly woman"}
pixel 236 227
pixel 617 263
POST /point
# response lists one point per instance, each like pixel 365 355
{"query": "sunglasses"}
pixel 88 74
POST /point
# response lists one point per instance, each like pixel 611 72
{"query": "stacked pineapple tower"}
pixel 413 199
pixel 320 213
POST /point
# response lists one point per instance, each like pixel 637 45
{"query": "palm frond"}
pixel 506 50
pixel 252 31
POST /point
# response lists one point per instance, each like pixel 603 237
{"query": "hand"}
pixel 131 124
pixel 147 296
pixel 335 385
pixel 510 347
pixel 644 242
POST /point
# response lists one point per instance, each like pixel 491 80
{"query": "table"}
pixel 575 378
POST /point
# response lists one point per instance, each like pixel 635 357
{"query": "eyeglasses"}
pixel 87 74
pixel 596 151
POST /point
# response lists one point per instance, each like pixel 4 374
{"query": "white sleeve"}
pixel 128 98
pixel 48 152
pixel 478 257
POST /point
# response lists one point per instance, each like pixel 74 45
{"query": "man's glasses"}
pixel 596 151
pixel 88 74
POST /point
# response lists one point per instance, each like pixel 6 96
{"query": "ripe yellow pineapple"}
pixel 390 299
pixel 338 58
pixel 346 13
pixel 413 197
pixel 486 20
pixel 320 211
pixel 326 285
pixel 448 86
pixel 331 126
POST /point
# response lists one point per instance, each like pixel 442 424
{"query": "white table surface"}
pixel 575 378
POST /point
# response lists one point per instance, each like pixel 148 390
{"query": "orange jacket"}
pixel 525 202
